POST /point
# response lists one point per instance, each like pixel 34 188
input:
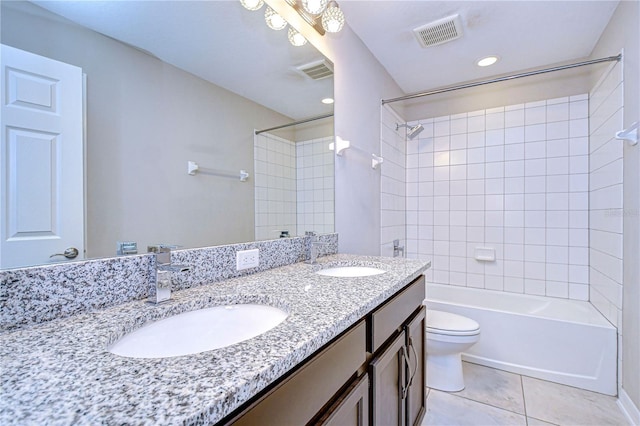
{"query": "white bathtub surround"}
pixel 606 205
pixel 275 186
pixel 563 341
pixel 38 294
pixel 393 149
pixel 293 186
pixel 606 212
pixel 315 186
pixel 514 179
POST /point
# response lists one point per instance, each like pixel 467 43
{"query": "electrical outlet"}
pixel 246 259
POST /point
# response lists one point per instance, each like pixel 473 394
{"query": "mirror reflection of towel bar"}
pixel 630 134
pixel 193 168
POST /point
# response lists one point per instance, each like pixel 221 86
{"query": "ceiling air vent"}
pixel 317 70
pixel 440 31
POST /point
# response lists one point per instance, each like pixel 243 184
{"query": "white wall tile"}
pixel 518 178
pixel 534 132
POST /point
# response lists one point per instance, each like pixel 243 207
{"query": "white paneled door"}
pixel 41 179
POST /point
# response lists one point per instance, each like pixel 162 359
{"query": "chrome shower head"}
pixel 412 131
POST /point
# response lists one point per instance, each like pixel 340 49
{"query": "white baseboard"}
pixel 631 412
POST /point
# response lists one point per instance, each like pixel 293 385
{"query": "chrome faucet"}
pixel 160 290
pixel 314 245
pixel 397 248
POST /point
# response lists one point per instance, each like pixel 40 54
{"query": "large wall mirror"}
pixel 172 82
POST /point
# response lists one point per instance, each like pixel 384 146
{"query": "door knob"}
pixel 70 253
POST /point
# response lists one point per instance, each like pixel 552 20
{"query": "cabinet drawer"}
pixel 312 386
pixel 390 316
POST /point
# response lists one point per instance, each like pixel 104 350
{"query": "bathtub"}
pixel 559 340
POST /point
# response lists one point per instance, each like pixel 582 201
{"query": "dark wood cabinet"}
pixel 372 374
pixel 388 372
pixel 416 346
pixel 398 376
pixel 352 409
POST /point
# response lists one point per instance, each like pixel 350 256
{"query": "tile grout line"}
pixel 481 402
pixel 524 400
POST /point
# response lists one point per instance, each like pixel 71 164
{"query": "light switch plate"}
pixel 246 259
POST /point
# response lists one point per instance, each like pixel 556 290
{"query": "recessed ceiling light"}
pixel 327 101
pixel 489 60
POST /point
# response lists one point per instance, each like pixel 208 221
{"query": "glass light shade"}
pixel 274 21
pixel 332 18
pixel 296 38
pixel 252 4
pixel 314 7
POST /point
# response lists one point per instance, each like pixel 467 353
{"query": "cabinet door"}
pixel 388 377
pixel 353 409
pixel 298 398
pixel 415 334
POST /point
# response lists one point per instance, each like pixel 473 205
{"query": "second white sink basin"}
pixel 199 331
pixel 351 271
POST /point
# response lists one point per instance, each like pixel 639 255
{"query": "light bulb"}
pixel 295 38
pixel 489 60
pixel 274 21
pixel 314 7
pixel 332 18
pixel 252 4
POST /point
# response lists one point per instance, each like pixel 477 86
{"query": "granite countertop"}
pixel 60 372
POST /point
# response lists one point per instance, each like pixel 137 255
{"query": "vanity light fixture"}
pixel 252 4
pixel 324 16
pixel 486 61
pixel 332 18
pixel 274 21
pixel 295 38
pixel 327 101
pixel 314 7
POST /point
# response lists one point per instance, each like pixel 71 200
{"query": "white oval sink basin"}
pixel 351 271
pixel 198 331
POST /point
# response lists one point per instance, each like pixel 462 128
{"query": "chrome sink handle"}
pixel 160 287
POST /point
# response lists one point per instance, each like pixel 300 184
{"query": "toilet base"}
pixel 444 372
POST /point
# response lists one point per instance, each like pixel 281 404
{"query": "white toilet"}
pixel 448 335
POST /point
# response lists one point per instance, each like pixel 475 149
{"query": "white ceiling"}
pixel 223 43
pixel 524 34
pixel 218 41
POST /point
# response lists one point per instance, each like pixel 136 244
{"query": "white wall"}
pixel 361 82
pixel 622 32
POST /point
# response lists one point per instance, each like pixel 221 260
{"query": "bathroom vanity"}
pixel 343 336
pixel 372 373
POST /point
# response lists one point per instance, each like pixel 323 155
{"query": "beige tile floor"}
pixel 495 397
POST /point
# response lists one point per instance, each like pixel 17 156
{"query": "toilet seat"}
pixel 449 324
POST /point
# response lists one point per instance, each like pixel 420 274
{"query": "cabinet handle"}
pixel 415 356
pixel 405 358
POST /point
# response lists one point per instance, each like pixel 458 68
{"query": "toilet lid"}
pixel 447 323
